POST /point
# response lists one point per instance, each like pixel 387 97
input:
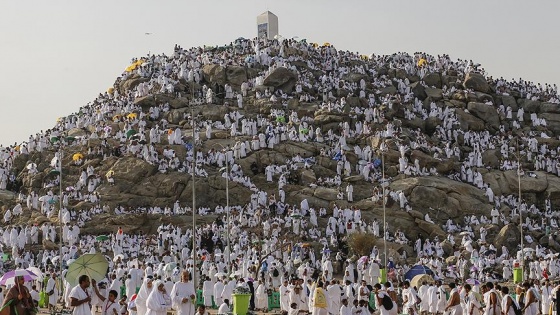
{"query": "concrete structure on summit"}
pixel 267 25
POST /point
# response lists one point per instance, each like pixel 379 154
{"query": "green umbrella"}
pixel 131 133
pixel 54 172
pixel 92 265
pixel 102 238
pixel 54 139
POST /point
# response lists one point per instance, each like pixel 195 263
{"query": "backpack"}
pixel 387 302
pixel 275 272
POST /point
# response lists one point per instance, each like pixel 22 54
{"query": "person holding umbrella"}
pixel 19 299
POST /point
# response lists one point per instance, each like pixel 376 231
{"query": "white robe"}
pixel 157 303
pixel 183 290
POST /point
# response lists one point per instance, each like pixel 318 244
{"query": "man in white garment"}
pixel 423 294
pixel 207 291
pixel 218 288
pixel 284 297
pixel 80 297
pixel 52 291
pixel 546 298
pixel 183 296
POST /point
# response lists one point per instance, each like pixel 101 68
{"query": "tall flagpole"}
pixel 61 152
pixel 193 191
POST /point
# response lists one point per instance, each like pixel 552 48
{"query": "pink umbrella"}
pixel 8 277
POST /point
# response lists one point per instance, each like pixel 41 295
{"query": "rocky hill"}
pixel 441 113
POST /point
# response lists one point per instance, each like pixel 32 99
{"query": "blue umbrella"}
pixel 418 270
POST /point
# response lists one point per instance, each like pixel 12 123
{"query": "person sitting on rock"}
pixel 427 219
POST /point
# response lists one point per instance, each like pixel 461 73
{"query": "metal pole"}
pixel 227 215
pixel 384 209
pixel 519 209
pixel 193 196
pixel 60 213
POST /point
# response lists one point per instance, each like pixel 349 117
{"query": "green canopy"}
pixel 131 133
pixel 102 238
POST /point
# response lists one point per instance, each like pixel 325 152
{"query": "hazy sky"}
pixel 57 55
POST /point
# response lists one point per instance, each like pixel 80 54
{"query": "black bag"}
pixel 516 309
pixel 51 292
pixel 275 272
pixel 387 302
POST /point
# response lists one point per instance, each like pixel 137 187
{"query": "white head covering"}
pixel 144 292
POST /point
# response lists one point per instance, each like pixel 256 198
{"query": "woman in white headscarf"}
pixel 143 295
pixel 159 301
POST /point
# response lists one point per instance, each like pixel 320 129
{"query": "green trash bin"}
pixel 382 275
pixel 517 275
pixel 372 301
pixel 241 304
pixel 274 300
pixel 199 297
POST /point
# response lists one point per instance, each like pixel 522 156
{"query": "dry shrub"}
pixel 361 244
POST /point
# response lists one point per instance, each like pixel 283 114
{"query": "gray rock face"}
pixel 418 90
pixel 214 74
pixel 131 83
pixel 487 113
pixel 509 236
pixel 476 82
pixel 281 78
pixel 469 122
pixel 433 79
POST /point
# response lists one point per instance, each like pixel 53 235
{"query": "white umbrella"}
pixel 121 256
pixel 36 271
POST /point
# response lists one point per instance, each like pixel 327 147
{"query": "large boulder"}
pixel 550 108
pixel 476 82
pixel 131 83
pixel 434 93
pixel 487 113
pixel 236 75
pixel 328 194
pixel 452 199
pixel 529 184
pixel 552 121
pixel 433 79
pixel 281 78
pixel 529 106
pixel 470 122
pixel 418 90
pixel 132 169
pixel 509 236
pixel 214 74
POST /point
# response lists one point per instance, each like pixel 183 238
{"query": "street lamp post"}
pixel 519 170
pixel 58 168
pixel 60 156
pixel 193 194
pixel 383 149
pixel 228 258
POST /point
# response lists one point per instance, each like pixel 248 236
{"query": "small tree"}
pixel 361 243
